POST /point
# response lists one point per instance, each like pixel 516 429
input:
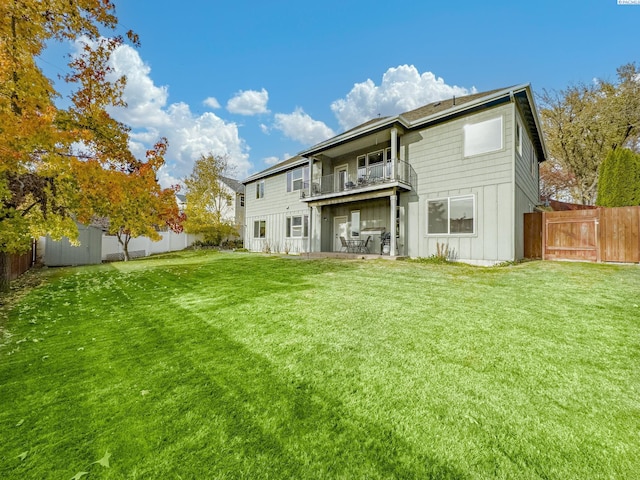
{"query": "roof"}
pixel 235 185
pixel 430 113
pixel 278 167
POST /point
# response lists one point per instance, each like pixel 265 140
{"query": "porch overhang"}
pixel 347 197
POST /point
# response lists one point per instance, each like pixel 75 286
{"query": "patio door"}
pixel 340 228
pixel 341 177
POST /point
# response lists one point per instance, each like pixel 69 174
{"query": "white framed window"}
pixel 242 200
pixel 260 189
pixel 518 138
pixel 483 137
pixel 355 223
pixel 297 179
pixel 298 226
pixel 372 164
pixel 451 216
pixel 259 229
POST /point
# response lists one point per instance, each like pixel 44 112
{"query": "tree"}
pixel 619 184
pixel 209 204
pixel 583 123
pixel 38 140
pixel 132 203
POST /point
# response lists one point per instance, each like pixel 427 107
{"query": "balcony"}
pixel 371 178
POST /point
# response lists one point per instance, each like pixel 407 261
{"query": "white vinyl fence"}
pixel 144 246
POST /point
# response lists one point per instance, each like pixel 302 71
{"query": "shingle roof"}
pixel 442 105
pixel 276 168
pixel 235 185
pixel 413 118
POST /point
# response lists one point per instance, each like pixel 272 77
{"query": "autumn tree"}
pixel 130 203
pixel 209 203
pixel 37 139
pixel 619 184
pixel 43 146
pixel 583 123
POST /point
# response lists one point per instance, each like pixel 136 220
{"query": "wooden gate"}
pixel 595 235
pixel 571 235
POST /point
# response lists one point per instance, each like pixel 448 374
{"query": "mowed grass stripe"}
pixel 246 366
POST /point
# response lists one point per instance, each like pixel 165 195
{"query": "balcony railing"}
pixel 366 178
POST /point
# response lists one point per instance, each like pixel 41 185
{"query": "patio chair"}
pixel 345 245
pixel 365 245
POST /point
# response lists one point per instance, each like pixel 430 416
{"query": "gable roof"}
pixel 278 167
pixel 234 185
pixel 428 114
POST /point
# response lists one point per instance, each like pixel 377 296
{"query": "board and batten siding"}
pixel 437 156
pixel 274 208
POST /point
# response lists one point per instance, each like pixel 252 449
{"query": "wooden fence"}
pixel 17 264
pixel 596 235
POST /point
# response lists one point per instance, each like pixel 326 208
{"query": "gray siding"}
pixel 526 184
pixel 438 158
pixel 274 208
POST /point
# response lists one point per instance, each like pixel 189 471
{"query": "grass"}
pixel 212 365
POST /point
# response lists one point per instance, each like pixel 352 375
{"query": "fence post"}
pixel 543 242
pixel 599 242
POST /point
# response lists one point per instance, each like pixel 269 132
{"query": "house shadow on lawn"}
pixel 248 418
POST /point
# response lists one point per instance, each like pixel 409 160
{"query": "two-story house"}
pixel 458 173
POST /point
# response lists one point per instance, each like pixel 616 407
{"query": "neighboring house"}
pixel 233 209
pixel 460 173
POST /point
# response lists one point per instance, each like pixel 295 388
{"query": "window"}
pixel 518 138
pixel 298 226
pixel 297 179
pixel 483 137
pixel 372 165
pixel 260 189
pixel 259 229
pixel 355 223
pixel 451 216
pixel 242 200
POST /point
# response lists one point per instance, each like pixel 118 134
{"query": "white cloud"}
pixel 301 127
pixel 211 102
pixel 249 102
pixel 190 135
pixel 274 160
pixel 403 88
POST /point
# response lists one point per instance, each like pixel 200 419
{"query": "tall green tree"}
pixel 583 123
pixel 209 203
pixel 619 184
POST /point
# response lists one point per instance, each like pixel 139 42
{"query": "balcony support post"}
pixel 393 207
pixel 394 150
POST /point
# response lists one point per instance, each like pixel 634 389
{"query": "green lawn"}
pixel 207 365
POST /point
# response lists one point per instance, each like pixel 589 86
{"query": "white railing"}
pixel 371 176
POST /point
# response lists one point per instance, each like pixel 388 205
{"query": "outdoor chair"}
pixel 365 246
pixel 345 245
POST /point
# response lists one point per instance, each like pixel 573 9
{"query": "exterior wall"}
pixel 527 180
pixel 274 208
pixel 437 155
pixel 373 214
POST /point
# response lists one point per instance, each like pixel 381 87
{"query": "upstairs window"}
pixel 297 179
pixel 483 137
pixel 518 138
pixel 260 189
pixel 242 200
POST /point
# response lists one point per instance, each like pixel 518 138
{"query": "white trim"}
pixel 466 134
pixel 474 233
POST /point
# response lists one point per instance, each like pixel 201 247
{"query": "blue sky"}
pixel 260 81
